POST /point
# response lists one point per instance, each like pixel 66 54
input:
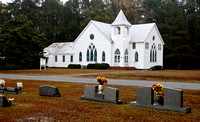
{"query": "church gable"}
pixel 95 30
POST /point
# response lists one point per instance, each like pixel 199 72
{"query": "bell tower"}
pixel 120 27
pixel 121 36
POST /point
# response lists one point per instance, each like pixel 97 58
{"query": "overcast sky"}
pixel 5 1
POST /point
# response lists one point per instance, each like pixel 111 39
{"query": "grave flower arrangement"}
pixel 158 89
pixel 2 82
pixel 159 94
pixel 102 80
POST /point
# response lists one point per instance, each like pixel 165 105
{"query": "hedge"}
pixel 98 66
pixel 157 67
pixel 74 66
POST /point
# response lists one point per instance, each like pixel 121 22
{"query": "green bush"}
pixel 157 67
pixel 98 66
pixel 74 66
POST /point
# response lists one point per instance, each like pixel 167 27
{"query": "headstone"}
pixel 49 91
pixel 111 93
pixel 3 101
pixel 90 91
pixel 12 90
pixel 173 97
pixel 144 96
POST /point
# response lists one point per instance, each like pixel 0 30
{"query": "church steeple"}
pixel 121 20
pixel 120 27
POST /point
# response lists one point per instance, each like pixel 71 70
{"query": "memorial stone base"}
pixel 110 94
pixel 173 100
pixel 3 101
pixel 10 90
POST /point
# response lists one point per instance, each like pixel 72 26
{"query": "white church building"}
pixel 119 44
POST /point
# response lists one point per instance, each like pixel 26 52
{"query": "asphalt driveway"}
pixel 111 81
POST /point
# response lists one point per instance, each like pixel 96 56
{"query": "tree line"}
pixel 54 21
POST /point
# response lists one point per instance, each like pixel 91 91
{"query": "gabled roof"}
pixel 121 20
pixel 140 32
pixel 59 48
pixel 104 28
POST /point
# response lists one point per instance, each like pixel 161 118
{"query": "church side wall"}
pixel 100 42
pixel 139 49
pixel 153 38
pixel 59 62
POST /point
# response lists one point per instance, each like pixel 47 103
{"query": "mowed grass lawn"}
pixel 29 106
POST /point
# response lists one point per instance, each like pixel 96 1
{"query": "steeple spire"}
pixel 121 20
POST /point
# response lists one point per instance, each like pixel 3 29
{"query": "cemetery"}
pixel 60 101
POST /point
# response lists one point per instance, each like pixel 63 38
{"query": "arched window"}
pixel 88 55
pixel 95 55
pixel 126 56
pixel 91 53
pixel 117 30
pixel 80 56
pixel 103 57
pixel 153 53
pixel 117 56
pixel 127 31
pixel 136 56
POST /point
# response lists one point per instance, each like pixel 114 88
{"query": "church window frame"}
pixel 91 53
pixel 117 56
pixel 92 36
pixel 88 55
pixel 71 58
pixel 153 38
pixel 127 30
pixel 153 54
pixel 56 58
pixel 136 56
pixel 159 46
pixel 134 45
pixel 95 55
pixel 80 56
pixel 103 56
pixel 126 56
pixel 63 58
pixel 117 30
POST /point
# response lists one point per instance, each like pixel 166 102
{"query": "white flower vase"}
pixel 100 89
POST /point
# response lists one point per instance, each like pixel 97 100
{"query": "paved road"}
pixel 111 81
